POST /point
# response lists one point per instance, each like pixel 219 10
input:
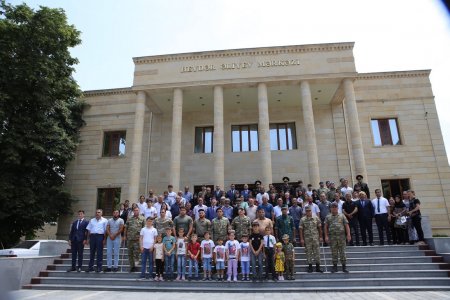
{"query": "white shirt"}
pixel 142 207
pixel 181 246
pixel 345 190
pixel 150 212
pixel 277 211
pixel 259 197
pixel 384 204
pixel 207 248
pixel 97 226
pixel 232 247
pixel 171 198
pixel 340 206
pixel 314 208
pixel 158 205
pixel 148 236
pixel 159 252
pixel 197 208
pixel 270 243
pixel 245 251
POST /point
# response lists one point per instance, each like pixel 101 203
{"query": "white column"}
pixel 310 131
pixel 355 130
pixel 218 150
pixel 175 149
pixel 136 148
pixel 264 135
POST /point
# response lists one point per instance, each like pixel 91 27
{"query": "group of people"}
pixel 234 230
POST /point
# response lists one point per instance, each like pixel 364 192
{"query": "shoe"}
pixel 351 244
pixel 205 279
pixel 364 244
pixel 150 279
pixel 161 278
pixel 282 278
pixel 235 279
pixel 229 279
pixel 318 269
pixel 183 278
pixel 358 244
pixel 107 270
pixel 178 278
pixel 115 270
pixel 334 269
pixel 310 268
pixel 71 270
pixel 89 270
pixel 371 244
pixel 133 269
pixel 344 268
pixel 141 279
pixel 98 270
pixel 79 269
pixel 274 279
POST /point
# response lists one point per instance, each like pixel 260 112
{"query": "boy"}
pixel 181 255
pixel 169 247
pixel 193 253
pixel 289 256
pixel 257 251
pixel 245 257
pixel 147 241
pixel 219 258
pixel 207 247
pixel 269 244
pixel 232 248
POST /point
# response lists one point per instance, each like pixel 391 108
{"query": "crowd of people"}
pixel 181 232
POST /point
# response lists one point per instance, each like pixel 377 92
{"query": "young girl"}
pixel 207 247
pixel 279 261
pixel 181 255
pixel 245 258
pixel 219 258
pixel 232 255
pixel 193 253
pixel 159 258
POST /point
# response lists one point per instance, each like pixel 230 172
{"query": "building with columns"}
pixel 236 116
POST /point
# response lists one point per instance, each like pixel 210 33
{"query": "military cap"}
pixel 285 237
pixel 257 182
pixel 285 178
pixel 334 204
pixel 284 207
pixel 359 176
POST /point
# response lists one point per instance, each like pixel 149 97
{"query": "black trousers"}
pixel 77 248
pixel 270 268
pixel 159 267
pixel 365 224
pixel 383 225
pixel 354 229
pixel 417 223
pixel 96 247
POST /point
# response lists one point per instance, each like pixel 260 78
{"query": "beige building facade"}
pixel 236 116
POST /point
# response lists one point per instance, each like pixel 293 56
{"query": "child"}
pixel 257 253
pixel 181 255
pixel 159 258
pixel 219 257
pixel 269 244
pixel 169 243
pixel 279 261
pixel 207 247
pixel 146 242
pixel 289 256
pixel 193 253
pixel 245 257
pixel 232 256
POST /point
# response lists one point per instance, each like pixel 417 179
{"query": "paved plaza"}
pixel 84 295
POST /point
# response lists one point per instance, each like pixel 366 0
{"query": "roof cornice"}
pixel 107 92
pixel 244 52
pixel 393 74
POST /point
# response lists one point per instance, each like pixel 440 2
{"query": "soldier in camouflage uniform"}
pixel 310 236
pixel 289 256
pixel 132 233
pixel 162 223
pixel 202 225
pixel 241 225
pixel 336 230
pixel 220 226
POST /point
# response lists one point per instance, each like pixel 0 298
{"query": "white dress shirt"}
pixel 384 204
pixel 97 226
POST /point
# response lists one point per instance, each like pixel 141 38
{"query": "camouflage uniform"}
pixel 311 228
pixel 241 226
pixel 162 224
pixel 133 229
pixel 200 227
pixel 336 235
pixel 220 229
pixel 289 262
pixel 285 225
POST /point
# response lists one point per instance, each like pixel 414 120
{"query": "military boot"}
pixel 344 268
pixel 310 268
pixel 334 269
pixel 318 269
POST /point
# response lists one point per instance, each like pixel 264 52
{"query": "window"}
pixel 114 143
pixel 385 132
pixel 282 136
pixel 244 138
pixel 108 200
pixel 204 139
pixel 394 187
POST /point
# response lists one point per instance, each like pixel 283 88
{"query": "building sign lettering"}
pixel 240 65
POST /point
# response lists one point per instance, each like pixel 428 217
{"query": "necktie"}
pixel 378 205
pixel 78 224
pixel 267 243
pixel 363 203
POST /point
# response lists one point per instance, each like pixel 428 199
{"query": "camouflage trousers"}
pixel 289 267
pixel 337 247
pixel 133 252
pixel 312 250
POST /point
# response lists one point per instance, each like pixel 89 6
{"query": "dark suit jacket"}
pixel 232 196
pixel 367 211
pixel 218 194
pixel 80 234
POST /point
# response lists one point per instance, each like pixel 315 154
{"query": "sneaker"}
pixel 78 269
pixel 229 279
pixel 107 270
pixel 115 270
pixel 161 278
pixel 183 278
pixel 205 279
pixel 178 278
pixel 235 278
pixel 89 270
pixel 71 270
pixel 282 277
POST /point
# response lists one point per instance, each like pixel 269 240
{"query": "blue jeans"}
pixel 181 264
pixel 245 267
pixel 207 264
pixel 147 255
pixel 112 249
pixel 193 263
pixel 168 266
pixel 257 261
pixel 96 247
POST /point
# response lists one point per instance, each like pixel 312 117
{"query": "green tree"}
pixel 40 117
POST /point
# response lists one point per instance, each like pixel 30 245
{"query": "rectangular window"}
pixel 283 136
pixel 244 138
pixel 108 200
pixel 385 132
pixel 114 143
pixel 204 139
pixel 394 187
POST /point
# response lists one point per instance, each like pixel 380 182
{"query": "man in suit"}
pixel 365 217
pixel 231 194
pixel 77 240
pixel 218 193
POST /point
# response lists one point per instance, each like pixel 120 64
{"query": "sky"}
pixel 389 35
